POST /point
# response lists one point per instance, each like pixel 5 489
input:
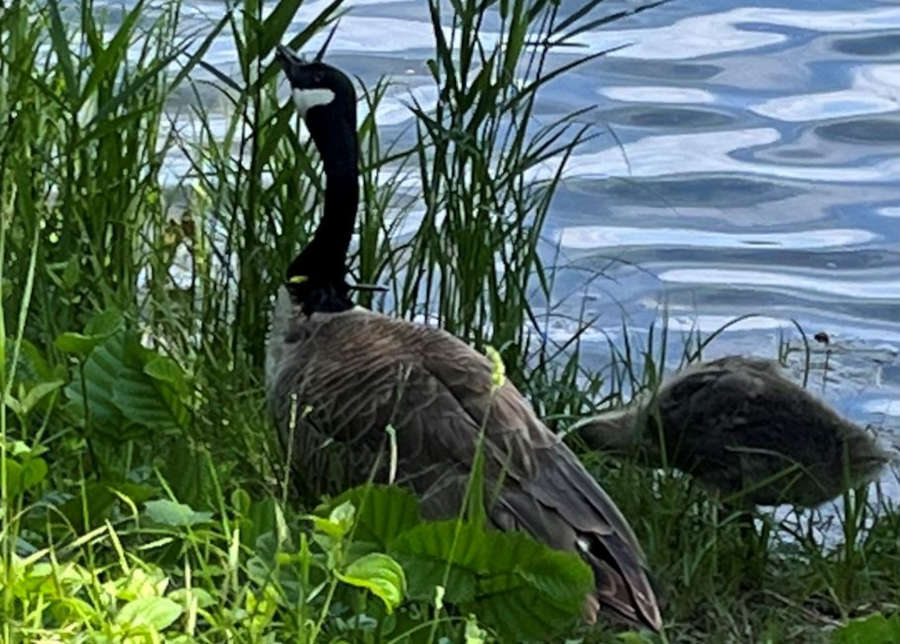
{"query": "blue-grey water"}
pixel 758 173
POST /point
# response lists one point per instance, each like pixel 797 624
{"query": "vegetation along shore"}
pixel 152 204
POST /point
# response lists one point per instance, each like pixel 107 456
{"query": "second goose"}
pixel 744 430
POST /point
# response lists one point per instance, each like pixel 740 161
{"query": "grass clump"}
pixel 142 495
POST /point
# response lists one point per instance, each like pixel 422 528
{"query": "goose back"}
pixel 351 374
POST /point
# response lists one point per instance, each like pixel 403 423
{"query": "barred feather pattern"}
pixel 351 374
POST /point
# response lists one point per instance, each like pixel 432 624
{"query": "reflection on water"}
pixel 598 236
pixel 810 107
pixel 869 46
pixel 868 131
pixel 755 168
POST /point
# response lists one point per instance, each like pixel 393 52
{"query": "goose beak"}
pixel 288 59
pixel 295 67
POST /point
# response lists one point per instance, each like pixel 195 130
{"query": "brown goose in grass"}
pixel 743 429
pixel 341 374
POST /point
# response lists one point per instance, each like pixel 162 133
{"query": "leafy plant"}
pixel 121 389
pixel 511 582
pixel 871 629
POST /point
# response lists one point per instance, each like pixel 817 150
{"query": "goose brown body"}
pixel 742 428
pixel 356 372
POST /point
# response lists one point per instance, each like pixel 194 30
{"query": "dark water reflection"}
pixel 883 45
pixel 868 131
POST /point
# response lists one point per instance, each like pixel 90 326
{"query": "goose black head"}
pixel 326 100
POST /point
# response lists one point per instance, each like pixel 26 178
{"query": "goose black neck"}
pixel 323 261
pixel 332 236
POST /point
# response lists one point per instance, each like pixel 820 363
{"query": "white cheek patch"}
pixel 307 98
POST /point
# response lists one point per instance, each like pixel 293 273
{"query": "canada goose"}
pixel 353 372
pixel 744 430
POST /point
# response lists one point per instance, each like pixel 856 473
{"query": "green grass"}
pixel 142 489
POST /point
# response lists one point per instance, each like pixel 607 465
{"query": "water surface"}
pixel 758 173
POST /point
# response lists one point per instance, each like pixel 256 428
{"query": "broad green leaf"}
pixel 98 499
pixel 13 478
pixel 14 405
pixel 122 401
pixel 22 449
pixel 342 516
pixel 382 512
pixel 52 580
pixel 37 393
pixel 142 399
pixel 21 476
pixel 261 608
pixel 71 342
pixel 513 583
pixel 92 395
pixel 380 574
pixel 32 366
pixel 71 272
pixel 165 369
pixel 328 527
pixel 34 470
pixel 174 514
pixel 104 324
pixel 158 612
pixel 872 629
pixel 100 327
pixel 260 519
pixel 139 583
pixel 188 475
pixel 184 595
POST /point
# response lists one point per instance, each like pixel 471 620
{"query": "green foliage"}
pixel 24 472
pixel 383 513
pixel 124 390
pixel 475 152
pixel 514 584
pixel 378 573
pixel 872 629
pixel 150 613
pixel 125 604
pixel 171 513
pixel 141 496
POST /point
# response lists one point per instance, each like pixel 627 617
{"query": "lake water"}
pixel 759 173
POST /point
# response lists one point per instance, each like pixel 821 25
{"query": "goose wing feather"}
pixel 356 372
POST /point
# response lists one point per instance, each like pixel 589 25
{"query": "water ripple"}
pixel 711 153
pixel 867 286
pixel 727 31
pixel 594 237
